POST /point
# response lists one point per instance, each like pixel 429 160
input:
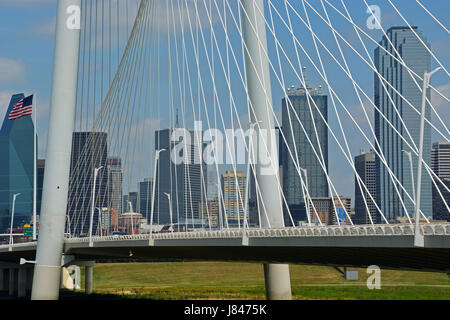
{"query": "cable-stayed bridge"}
pixel 178 90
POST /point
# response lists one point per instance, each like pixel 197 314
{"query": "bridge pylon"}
pixel 277 278
pixel 47 272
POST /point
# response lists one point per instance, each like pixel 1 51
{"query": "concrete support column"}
pixel 12 281
pixel 47 271
pixel 30 272
pixel 22 283
pixel 2 280
pixel 89 279
pixel 277 278
pixel 278 282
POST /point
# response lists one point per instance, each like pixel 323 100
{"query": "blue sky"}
pixel 26 54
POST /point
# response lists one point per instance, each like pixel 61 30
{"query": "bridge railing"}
pixel 326 231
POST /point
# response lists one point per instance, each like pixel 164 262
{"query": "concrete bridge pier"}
pixel 21 283
pixel 12 281
pixel 89 279
pixel 2 279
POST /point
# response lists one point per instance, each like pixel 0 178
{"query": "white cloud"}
pixel 442 106
pixel 5 98
pixel 11 70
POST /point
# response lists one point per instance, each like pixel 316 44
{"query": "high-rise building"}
pixel 145 199
pixel 115 179
pixel 364 205
pixel 440 164
pixel 181 173
pixel 89 151
pixel 301 149
pixel 130 202
pixel 233 188
pixel 415 55
pixel 16 168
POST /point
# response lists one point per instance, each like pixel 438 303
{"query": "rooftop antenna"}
pixel 305 77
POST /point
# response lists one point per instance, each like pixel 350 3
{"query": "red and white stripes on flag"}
pixel 22 108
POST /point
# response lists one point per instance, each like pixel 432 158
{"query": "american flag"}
pixel 22 108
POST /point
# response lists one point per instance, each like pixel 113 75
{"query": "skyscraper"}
pixel 115 179
pixel 365 167
pixel 89 151
pixel 301 149
pixel 233 188
pixel 180 173
pixel 417 58
pixel 440 164
pixel 145 198
pixel 16 168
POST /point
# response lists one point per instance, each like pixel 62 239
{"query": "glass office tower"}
pixel 302 150
pixel 16 168
pixel 185 182
pixel 89 151
pixel 417 58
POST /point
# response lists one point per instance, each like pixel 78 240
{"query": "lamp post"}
pixel 170 210
pixel 305 194
pixel 96 171
pixel 409 154
pixel 100 220
pixel 153 194
pixel 419 240
pixel 12 220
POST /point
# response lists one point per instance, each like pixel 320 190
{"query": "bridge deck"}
pixel 389 247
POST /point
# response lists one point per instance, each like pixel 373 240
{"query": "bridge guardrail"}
pixel 325 231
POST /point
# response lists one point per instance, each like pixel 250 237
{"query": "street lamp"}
pixel 409 154
pixel 250 161
pixel 100 220
pixel 170 210
pixel 419 240
pixel 96 171
pixel 154 192
pixel 12 220
pixel 305 194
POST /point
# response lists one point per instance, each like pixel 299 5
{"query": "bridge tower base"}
pixel 277 278
pixel 47 272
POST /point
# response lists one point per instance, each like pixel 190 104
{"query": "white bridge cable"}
pixel 348 159
pixel 242 80
pixel 234 104
pixel 414 32
pixel 305 86
pixel 366 97
pixel 121 88
pixel 431 15
pixel 334 102
pixel 136 82
pixel 217 101
pixel 420 77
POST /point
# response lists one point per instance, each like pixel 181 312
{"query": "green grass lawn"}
pixel 219 280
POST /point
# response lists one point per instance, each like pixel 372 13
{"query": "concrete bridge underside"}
pixel 393 252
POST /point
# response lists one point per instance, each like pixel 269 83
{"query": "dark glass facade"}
pixel 89 151
pixel 16 168
pixel 418 59
pixel 186 182
pixel 301 148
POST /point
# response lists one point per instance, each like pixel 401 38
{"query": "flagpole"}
pixel 35 171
